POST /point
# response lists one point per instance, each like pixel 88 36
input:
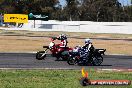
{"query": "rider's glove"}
pixel 54 38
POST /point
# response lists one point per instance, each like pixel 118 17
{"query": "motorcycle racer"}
pixel 86 55
pixel 84 52
pixel 63 39
pixel 63 44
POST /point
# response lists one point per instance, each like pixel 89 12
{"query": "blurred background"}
pixel 72 10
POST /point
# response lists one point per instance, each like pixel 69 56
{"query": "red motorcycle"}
pixel 54 48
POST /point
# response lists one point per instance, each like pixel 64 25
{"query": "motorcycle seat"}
pixel 101 51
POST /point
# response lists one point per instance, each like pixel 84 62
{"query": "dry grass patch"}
pixel 21 42
pixel 70 34
pixel 34 44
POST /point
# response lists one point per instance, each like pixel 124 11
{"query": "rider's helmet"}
pixel 88 41
pixel 62 37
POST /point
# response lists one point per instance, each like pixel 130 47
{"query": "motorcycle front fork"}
pixel 45 51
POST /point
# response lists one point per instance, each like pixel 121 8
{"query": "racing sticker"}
pixel 85 81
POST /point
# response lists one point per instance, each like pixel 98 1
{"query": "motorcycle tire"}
pixel 40 55
pixel 71 61
pixel 97 60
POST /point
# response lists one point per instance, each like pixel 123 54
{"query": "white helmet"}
pixel 88 41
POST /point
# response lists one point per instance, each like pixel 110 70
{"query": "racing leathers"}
pixel 62 46
pixel 84 51
pixel 63 43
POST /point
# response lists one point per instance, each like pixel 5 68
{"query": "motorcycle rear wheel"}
pixel 71 61
pixel 97 60
pixel 40 55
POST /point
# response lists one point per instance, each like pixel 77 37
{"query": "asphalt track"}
pixel 28 61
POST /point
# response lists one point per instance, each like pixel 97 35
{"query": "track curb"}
pixel 38 69
pixel 114 70
pixel 97 69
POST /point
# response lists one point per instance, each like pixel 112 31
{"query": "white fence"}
pixel 79 26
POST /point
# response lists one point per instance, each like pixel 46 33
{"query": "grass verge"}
pixel 56 78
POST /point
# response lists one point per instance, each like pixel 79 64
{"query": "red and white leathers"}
pixel 62 45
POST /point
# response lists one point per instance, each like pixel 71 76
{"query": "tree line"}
pixel 74 10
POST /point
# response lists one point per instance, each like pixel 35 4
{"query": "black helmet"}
pixel 62 36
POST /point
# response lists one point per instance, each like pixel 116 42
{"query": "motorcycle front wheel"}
pixel 40 55
pixel 71 61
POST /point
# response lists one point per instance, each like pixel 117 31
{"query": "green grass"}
pixel 55 78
